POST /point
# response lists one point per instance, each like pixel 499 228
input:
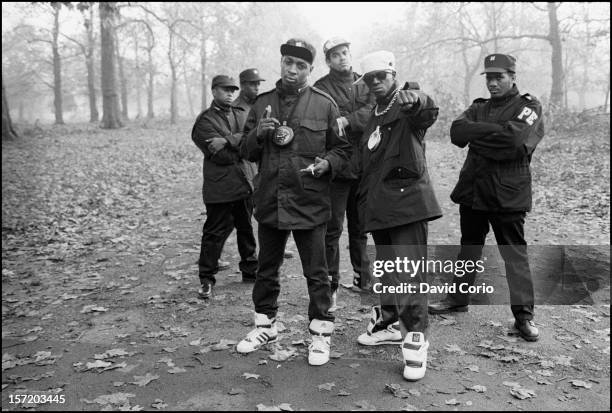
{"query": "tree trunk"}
pixel 150 113
pixel 110 102
pixel 187 87
pixel 556 92
pixel 7 126
pixel 89 59
pixel 203 70
pixel 607 95
pixel 138 82
pixel 57 69
pixel 122 82
pixel 173 109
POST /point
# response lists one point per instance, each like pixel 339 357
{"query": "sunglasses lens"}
pixel 378 75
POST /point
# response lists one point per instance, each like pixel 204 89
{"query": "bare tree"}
pixel 8 132
pixel 87 49
pixel 110 103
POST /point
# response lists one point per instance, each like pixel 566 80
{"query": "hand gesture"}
pixel 407 99
pixel 266 123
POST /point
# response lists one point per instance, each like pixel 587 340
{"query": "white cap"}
pixel 375 62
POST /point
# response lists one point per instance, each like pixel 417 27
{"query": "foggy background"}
pixel 162 49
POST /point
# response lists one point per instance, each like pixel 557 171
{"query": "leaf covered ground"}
pixel 100 235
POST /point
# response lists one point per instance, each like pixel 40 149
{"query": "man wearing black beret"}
pixel 290 133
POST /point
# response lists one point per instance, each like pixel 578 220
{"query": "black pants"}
pixel 411 308
pixel 221 219
pixel 510 237
pixel 311 247
pixel 344 198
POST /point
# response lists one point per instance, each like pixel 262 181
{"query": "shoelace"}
pixel 319 345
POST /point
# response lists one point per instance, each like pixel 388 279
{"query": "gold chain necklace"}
pixel 388 106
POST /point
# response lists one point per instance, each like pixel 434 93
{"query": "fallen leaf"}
pixel 478 388
pixel 396 390
pixel 235 391
pixel 563 360
pixel 159 404
pixel 522 393
pixel 98 364
pixel 250 375
pixel 343 393
pixel 176 370
pixel 581 383
pixel 93 308
pixel 453 348
pixel 452 402
pixel 545 373
pixel 354 365
pixel 326 386
pixel 473 368
pixel 144 380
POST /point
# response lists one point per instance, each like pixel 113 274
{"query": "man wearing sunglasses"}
pixel 396 201
pixel 355 104
pixel 291 133
pixel 494 185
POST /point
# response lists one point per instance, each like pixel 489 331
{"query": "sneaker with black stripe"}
pixel 414 351
pixel 265 332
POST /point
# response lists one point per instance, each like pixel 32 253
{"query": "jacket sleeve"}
pixel 358 119
pixel 251 147
pixel 518 136
pixel 234 139
pixel 338 148
pixel 203 130
pixel 423 115
pixel 465 128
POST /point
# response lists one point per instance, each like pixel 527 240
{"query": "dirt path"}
pixel 117 285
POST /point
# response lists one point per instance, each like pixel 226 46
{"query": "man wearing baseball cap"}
pixel 249 88
pixel 396 200
pixel 227 185
pixel 291 134
pixel 355 104
pixel 495 185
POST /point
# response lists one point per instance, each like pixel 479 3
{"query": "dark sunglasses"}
pixel 369 78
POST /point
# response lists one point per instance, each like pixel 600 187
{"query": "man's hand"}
pixel 216 144
pixel 321 166
pixel 407 99
pixel 266 123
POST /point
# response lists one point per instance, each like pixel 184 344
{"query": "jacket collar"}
pixel 282 91
pixel 219 108
pixel 501 101
pixel 342 76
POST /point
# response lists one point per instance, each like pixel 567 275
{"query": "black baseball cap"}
pixel 224 81
pixel 499 63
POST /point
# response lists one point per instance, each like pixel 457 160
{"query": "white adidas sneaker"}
pixel 389 335
pixel 318 351
pixel 265 332
pixel 414 350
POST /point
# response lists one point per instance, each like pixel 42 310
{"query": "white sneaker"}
pixel 334 302
pixel 414 350
pixel 390 335
pixel 318 351
pixel 265 332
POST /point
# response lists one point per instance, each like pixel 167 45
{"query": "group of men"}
pixel 298 157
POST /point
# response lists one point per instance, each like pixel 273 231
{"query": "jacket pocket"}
pixel 312 136
pixel 313 184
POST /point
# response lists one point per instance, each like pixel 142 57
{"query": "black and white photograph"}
pixel 283 206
